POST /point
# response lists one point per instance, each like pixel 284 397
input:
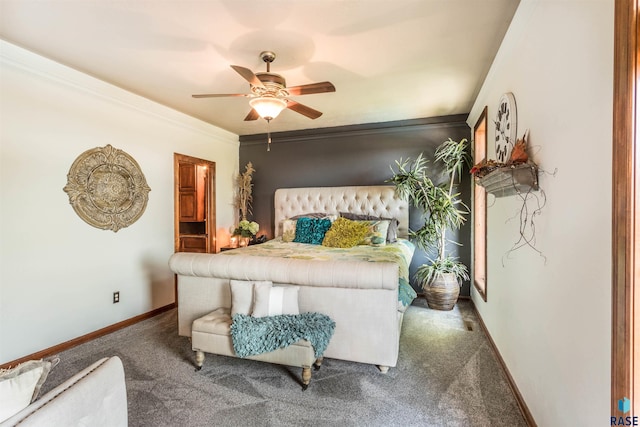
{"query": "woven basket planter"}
pixel 443 292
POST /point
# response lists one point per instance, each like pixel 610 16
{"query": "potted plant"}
pixel 441 210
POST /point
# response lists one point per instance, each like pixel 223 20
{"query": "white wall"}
pixel 552 320
pixel 57 273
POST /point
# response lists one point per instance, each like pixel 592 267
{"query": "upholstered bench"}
pixel 211 333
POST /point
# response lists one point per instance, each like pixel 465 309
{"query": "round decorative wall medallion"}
pixel 107 189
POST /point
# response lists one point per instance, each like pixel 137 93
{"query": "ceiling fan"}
pixel 270 94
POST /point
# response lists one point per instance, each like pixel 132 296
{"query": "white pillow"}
pixel 242 296
pixel 19 386
pixel 269 300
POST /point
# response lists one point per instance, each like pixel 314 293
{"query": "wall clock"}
pixel 506 127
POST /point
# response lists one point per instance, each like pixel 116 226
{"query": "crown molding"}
pixel 362 129
pixel 17 57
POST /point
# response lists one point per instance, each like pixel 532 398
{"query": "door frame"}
pixel 210 216
pixel 625 335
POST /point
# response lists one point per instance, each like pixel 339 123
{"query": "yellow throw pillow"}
pixel 345 233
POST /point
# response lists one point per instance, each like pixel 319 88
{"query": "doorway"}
pixel 194 204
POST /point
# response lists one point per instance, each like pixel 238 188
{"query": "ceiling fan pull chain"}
pixel 268 135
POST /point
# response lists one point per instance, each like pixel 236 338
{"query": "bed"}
pixel 364 289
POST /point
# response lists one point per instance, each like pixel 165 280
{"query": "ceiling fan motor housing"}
pixel 275 85
pixel 272 78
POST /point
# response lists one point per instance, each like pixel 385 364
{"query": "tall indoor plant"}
pixel 441 210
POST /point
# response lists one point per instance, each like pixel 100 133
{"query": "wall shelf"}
pixel 510 180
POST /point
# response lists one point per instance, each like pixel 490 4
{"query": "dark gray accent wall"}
pixel 349 155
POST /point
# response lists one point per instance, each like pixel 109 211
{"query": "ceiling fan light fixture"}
pixel 269 92
pixel 268 107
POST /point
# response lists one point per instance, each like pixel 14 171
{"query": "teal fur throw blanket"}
pixel 257 335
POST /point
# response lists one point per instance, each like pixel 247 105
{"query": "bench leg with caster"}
pixel 199 359
pixel 306 377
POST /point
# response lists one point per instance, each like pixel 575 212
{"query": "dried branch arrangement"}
pixel 518 156
pixel 245 188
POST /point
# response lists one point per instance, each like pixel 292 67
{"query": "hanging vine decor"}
pixel 519 176
pixel 532 204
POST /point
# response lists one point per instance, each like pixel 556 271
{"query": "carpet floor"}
pixel 447 375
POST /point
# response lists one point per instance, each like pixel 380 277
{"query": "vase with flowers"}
pixel 246 230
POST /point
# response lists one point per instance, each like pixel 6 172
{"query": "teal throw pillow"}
pixel 311 230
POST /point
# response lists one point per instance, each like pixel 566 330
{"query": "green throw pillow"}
pixel 376 234
pixel 345 233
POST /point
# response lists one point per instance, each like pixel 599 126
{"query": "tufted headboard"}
pixel 378 200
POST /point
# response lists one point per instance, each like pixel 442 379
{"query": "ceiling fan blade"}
pixel 253 115
pixel 303 109
pixel 248 75
pixel 321 87
pixel 219 95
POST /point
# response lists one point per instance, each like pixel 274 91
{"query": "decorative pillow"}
pixel 19 386
pixel 311 230
pixel 392 232
pixel 242 296
pixel 345 233
pixel 289 230
pixel 272 300
pixel 376 234
pixel 289 224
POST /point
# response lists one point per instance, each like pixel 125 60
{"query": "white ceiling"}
pixel 389 60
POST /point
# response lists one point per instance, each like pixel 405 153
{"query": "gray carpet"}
pixel 446 375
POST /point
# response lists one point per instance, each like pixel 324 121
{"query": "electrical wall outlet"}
pixel 116 297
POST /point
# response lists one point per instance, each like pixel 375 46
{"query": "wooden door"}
pixel 187 197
